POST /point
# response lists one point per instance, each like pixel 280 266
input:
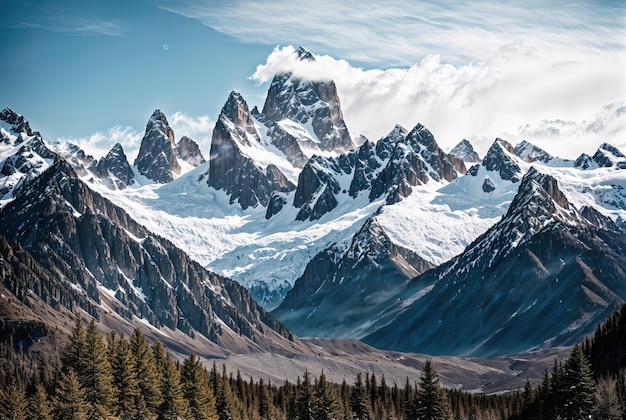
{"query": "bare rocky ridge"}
pixel 108 260
pixel 531 153
pixel 28 156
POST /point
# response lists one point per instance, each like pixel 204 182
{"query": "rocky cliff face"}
pixel 157 154
pixel 542 261
pixel 498 159
pixel 188 151
pixel 309 102
pixel 234 171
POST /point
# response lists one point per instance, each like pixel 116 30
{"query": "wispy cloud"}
pixel 198 128
pixel 402 32
pixel 74 25
pixel 99 143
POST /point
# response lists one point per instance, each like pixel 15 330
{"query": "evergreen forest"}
pixel 108 377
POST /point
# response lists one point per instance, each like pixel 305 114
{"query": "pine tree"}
pixel 39 405
pixel 544 396
pixel 344 395
pixel 12 402
pixel 528 401
pixel 73 357
pixel 409 408
pixel 224 403
pixel 173 404
pixel 432 402
pixel 196 390
pixel 264 401
pixel 326 402
pixel 69 399
pixel 96 378
pixel 607 402
pixel 360 400
pixel 557 391
pixel 579 386
pixel 305 399
pixel 149 396
pixel 125 384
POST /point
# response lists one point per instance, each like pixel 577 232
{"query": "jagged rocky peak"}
pixel 341 286
pixel 465 151
pixel 584 161
pixel 309 102
pixel 597 219
pixel 501 158
pixel 415 159
pixel 232 169
pixel 608 155
pixel 531 153
pixel 157 157
pixel 318 185
pixel 236 111
pixel 27 155
pixel 189 151
pixel 304 54
pixel 114 169
pixel 370 159
pixel 547 183
pixel 20 125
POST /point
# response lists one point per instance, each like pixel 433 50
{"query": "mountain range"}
pixel 395 242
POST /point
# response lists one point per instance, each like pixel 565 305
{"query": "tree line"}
pixel 100 377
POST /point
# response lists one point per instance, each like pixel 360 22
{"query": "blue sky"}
pixel 93 72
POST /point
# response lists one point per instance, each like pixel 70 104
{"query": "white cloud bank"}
pixel 566 106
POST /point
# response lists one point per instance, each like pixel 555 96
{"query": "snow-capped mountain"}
pixel 288 206
pixel 23 154
pixel 323 301
pixel 341 289
pixel 233 168
pixel 309 103
pixel 531 153
pixel 114 169
pixel 543 275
